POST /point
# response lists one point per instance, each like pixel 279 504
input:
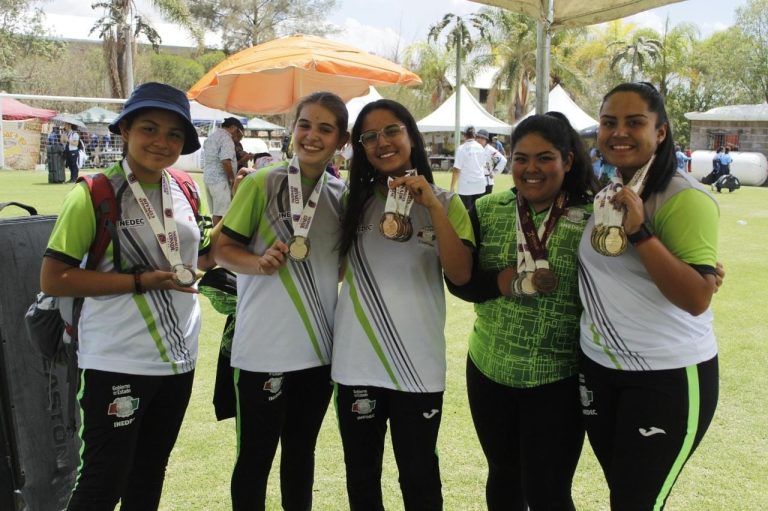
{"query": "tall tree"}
pixel 22 38
pixel 753 20
pixel 636 54
pixel 674 55
pixel 120 26
pixel 432 63
pixel 459 37
pixel 246 23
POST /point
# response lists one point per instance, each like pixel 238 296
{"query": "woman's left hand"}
pixel 420 190
pixel 633 205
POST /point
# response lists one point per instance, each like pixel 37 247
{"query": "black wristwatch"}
pixel 641 235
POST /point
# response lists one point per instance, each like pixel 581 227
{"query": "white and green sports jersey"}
pixel 285 320
pixel 152 334
pixel 391 313
pixel 627 322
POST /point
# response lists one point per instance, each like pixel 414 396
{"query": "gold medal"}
pixel 298 248
pixel 595 236
pixel 615 241
pixel 544 280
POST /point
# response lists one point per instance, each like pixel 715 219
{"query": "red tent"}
pixel 13 109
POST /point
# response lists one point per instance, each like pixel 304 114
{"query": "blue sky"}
pixel 382 26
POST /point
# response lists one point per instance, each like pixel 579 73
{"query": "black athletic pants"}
pixel 644 425
pixel 130 424
pixel 532 439
pixel 278 407
pixel 72 157
pixel 415 420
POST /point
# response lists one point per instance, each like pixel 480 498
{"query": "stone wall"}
pixel 753 135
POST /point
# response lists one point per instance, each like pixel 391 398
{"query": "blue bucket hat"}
pixel 164 97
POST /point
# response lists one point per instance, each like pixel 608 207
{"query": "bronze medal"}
pixel 544 280
pixel 389 226
pixel 407 229
pixel 615 241
pixel 298 248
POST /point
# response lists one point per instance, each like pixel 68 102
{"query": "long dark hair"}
pixel 363 177
pixel 665 164
pixel 580 182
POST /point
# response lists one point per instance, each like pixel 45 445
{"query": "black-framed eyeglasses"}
pixel 371 137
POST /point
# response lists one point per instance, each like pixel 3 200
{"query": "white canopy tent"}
pixel 472 114
pixel 568 13
pixel 560 101
pixel 262 125
pixel 354 105
pixel 203 113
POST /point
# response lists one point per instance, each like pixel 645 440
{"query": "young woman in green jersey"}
pixel 400 234
pixel 281 237
pixel 140 319
pixel 523 350
pixel 649 354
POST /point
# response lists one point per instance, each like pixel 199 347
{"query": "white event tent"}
pixel 560 101
pixel 472 114
pixel 355 105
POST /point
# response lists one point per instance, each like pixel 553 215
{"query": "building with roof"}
pixel 739 127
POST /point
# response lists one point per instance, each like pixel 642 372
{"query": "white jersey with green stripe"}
pixel 627 323
pixel 390 318
pixel 285 321
pixel 154 333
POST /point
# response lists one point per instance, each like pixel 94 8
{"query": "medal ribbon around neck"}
pixel 301 214
pixel 532 242
pixel 399 200
pixel 165 231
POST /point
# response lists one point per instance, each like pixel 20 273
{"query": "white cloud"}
pixel 380 41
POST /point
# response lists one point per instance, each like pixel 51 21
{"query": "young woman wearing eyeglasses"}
pixel 399 234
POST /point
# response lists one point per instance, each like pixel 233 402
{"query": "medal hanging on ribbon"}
pixel 165 231
pixel 395 223
pixel 534 274
pixel 301 214
pixel 608 237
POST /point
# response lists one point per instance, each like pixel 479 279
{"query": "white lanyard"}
pixel 525 261
pixel 165 232
pixel 301 214
pixel 604 211
pixel 399 200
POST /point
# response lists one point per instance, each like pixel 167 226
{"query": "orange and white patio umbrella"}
pixel 271 78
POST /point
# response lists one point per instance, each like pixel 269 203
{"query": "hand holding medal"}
pixel 395 223
pixel 611 204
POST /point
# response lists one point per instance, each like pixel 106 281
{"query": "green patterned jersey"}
pixel 530 341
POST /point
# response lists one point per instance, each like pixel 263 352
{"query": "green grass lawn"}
pixel 729 471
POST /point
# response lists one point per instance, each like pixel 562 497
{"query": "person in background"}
pixel 72 152
pixel 400 234
pixel 281 238
pixel 522 364
pixel 716 163
pixel 218 168
pixel 242 157
pixel 688 153
pixel 496 162
pixel 140 320
pixel 499 145
pixel 597 162
pixel 468 172
pixel 725 161
pixel 682 159
pixel 649 365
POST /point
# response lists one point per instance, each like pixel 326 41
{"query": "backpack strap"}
pixel 188 186
pixel 107 215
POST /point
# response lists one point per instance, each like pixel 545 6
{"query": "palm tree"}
pixel 460 38
pixel 637 53
pixel 431 64
pixel 119 27
pixel 676 52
